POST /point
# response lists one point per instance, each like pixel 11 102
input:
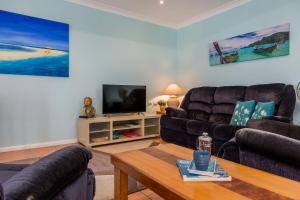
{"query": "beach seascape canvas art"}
pixel 266 43
pixel 33 46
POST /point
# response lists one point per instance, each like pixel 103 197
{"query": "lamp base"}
pixel 173 102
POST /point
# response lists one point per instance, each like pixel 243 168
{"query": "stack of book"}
pixel 214 171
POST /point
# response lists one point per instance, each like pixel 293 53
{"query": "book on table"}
pixel 219 173
pixel 209 172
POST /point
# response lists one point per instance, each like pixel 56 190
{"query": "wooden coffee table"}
pixel 156 168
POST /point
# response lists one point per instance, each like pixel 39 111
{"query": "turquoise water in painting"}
pixel 42 65
pixel 246 54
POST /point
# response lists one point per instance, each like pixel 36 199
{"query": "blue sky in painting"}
pixel 35 32
pixel 244 40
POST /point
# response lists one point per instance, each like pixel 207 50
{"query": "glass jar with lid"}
pixel 204 142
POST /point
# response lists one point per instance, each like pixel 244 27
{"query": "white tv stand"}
pixel 99 130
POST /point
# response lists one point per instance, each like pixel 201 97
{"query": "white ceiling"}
pixel 174 13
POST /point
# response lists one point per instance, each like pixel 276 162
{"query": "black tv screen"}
pixel 123 99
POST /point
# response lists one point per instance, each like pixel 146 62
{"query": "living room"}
pixel 154 44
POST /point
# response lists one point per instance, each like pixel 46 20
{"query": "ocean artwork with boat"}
pixel 266 43
pixel 33 46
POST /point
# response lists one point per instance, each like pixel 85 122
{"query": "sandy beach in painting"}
pixel 33 46
pixel 14 52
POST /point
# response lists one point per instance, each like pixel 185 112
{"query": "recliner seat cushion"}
pixel 196 127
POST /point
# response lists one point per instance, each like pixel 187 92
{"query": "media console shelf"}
pixel 99 130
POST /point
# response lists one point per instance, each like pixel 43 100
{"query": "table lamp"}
pixel 173 90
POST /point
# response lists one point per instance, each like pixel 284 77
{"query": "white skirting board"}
pixel 37 145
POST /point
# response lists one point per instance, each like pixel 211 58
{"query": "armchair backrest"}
pixel 270 152
pixel 216 104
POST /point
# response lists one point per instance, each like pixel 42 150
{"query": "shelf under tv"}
pixel 101 127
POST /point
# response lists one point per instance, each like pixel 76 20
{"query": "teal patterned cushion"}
pixel 263 110
pixel 242 113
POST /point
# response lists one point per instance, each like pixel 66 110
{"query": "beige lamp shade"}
pixel 173 89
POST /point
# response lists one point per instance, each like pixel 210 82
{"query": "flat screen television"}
pixel 123 99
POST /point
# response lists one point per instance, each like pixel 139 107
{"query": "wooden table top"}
pixel 156 168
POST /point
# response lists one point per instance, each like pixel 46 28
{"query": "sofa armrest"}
pixel 230 151
pixel 48 176
pixel 272 145
pixel 279 118
pixel 176 112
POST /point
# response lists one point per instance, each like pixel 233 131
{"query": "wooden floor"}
pixel 40 152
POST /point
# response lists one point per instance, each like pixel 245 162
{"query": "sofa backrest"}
pixel 216 104
pixel 200 103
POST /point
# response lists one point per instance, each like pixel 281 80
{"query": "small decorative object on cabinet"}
pixel 107 130
pixel 88 110
pixel 173 90
pixel 162 106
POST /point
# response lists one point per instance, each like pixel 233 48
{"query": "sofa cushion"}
pixel 196 127
pixel 242 113
pixel 229 94
pixel 200 106
pixel 223 109
pixel 265 92
pixel 203 94
pixel 198 115
pixel 263 110
pixel 173 123
pixel 220 118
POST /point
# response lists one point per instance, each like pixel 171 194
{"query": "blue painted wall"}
pixel 104 48
pixel 193 61
pixel 107 48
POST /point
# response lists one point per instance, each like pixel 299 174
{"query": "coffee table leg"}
pixel 121 185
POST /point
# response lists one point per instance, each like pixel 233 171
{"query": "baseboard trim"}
pixel 37 145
